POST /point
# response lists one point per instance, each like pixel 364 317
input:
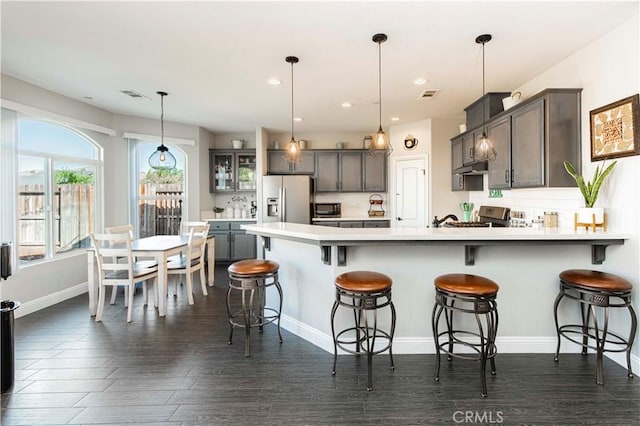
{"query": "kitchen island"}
pixel 525 262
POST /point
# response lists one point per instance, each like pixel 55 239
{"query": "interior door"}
pixel 411 176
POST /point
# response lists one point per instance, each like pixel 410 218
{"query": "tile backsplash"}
pixel 534 202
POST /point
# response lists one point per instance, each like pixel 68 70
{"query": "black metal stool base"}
pixel 366 336
pixel 590 334
pixel 482 346
pixel 253 313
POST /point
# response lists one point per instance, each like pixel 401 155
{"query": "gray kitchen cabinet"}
pixel 351 224
pixel 375 173
pixel 376 224
pixel 499 174
pixel 232 171
pixel 327 172
pixel 355 223
pixel 463 161
pixel 243 245
pixel 456 153
pixel 350 171
pixel 278 165
pixel 534 138
pixel 231 242
pixel 350 176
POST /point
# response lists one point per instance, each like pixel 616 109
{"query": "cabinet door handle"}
pixel 506 176
pixel 471 154
pixel 512 176
pixel 461 181
pixel 398 218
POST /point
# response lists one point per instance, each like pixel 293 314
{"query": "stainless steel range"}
pixel 487 216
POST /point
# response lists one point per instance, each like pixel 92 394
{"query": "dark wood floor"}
pixel 180 370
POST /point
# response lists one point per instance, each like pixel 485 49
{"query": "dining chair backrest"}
pixel 185 227
pixel 121 229
pixel 109 248
pixel 196 243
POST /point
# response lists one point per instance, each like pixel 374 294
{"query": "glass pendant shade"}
pixel 380 144
pixel 162 159
pixel 484 149
pixel 293 153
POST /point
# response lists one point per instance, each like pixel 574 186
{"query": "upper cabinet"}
pixel 350 171
pixel 278 165
pixel 232 171
pixel 534 138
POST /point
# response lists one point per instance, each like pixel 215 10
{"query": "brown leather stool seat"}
pixel 364 292
pixel 595 290
pixel 250 279
pixel 253 267
pixel 363 281
pixel 467 284
pixel 467 294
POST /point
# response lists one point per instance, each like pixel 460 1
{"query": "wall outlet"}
pixel 495 193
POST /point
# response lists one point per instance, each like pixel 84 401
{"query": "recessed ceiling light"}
pixel 274 82
pixel 298 119
pixel 395 118
pixel 419 81
pixel 346 105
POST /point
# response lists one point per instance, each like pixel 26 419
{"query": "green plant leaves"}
pixel 591 188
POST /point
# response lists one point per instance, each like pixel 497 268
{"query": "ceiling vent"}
pixel 133 93
pixel 428 94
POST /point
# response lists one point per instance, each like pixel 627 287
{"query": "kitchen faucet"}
pixel 437 222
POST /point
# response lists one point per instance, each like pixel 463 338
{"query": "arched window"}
pixel 57 171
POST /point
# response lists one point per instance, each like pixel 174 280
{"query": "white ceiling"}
pixel 214 58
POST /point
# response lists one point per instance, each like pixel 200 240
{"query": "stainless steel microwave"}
pixel 328 209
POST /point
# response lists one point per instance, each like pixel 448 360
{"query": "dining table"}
pixel 159 247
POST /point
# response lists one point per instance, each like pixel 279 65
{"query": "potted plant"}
pixel 589 190
pixel 218 212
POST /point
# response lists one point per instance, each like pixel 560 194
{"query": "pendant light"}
pixel 162 159
pixel 380 144
pixel 484 148
pixel 293 154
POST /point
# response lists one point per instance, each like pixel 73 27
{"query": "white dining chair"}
pixel 110 251
pixel 191 260
pixel 139 263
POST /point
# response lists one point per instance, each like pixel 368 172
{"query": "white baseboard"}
pixel 50 300
pixel 426 345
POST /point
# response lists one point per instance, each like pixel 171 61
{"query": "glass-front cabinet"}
pixel 232 171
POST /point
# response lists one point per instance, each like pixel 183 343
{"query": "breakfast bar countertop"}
pixel 327 237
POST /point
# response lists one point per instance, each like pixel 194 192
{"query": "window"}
pixel 57 171
pixel 159 195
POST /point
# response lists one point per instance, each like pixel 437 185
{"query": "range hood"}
pixel 479 168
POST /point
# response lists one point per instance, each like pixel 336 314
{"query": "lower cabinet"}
pixel 232 243
pixel 355 223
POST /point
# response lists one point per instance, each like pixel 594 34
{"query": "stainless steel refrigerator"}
pixel 287 199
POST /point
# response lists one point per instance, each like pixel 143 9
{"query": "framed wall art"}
pixel 615 129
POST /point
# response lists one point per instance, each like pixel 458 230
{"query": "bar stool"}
pixel 593 289
pixel 251 278
pixel 471 294
pixel 363 292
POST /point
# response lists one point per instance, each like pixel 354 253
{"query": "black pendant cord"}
pixel 162 119
pixel 292 120
pixel 380 85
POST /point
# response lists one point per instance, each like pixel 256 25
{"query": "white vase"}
pixel 587 215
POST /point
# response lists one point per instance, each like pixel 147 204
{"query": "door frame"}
pixel 394 189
